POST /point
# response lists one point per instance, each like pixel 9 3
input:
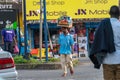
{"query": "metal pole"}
pixel 25 30
pixel 19 32
pixel 40 30
pixel 51 46
pixel 45 30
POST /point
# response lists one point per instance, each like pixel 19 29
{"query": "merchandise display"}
pixel 65 21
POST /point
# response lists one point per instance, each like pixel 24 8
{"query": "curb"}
pixel 45 66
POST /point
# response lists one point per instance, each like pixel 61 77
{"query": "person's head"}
pixel 65 30
pixel 114 11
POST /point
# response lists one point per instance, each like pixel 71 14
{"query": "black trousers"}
pixel 8 46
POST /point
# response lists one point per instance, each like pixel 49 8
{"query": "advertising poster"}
pixel 75 45
pixel 82 43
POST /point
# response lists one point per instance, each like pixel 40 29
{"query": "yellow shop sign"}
pixel 74 8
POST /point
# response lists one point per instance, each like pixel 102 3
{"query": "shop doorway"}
pixel 36 38
pixel 53 33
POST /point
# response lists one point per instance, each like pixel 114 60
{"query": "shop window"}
pixel 53 36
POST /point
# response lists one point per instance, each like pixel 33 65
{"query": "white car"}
pixel 7 66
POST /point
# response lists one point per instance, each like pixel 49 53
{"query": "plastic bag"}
pixel 16 49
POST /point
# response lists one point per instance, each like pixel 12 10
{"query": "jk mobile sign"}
pixel 73 8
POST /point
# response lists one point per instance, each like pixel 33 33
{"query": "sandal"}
pixel 71 71
pixel 64 75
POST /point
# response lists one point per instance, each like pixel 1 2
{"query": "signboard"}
pixel 6 6
pixel 73 8
pixel 7 16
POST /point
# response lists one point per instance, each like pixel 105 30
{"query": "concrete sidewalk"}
pixel 87 70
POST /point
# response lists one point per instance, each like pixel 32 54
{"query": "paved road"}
pixel 84 71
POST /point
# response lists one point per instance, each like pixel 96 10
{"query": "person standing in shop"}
pixel 8 39
pixel 66 49
pixel 106 46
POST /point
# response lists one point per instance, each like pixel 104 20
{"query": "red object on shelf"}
pixel 34 51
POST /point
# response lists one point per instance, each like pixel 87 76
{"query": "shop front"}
pixel 84 30
pixel 83 33
pixel 33 36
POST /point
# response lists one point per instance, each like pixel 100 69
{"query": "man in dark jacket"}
pixel 106 46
